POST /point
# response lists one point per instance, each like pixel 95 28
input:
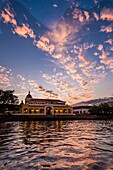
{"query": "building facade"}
pixel 45 106
pixel 81 110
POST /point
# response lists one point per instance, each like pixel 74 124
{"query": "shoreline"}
pixel 20 117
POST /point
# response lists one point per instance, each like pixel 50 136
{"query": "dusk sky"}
pixel 60 49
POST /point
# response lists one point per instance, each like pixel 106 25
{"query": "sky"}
pixel 60 49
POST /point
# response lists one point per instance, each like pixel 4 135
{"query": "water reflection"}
pixel 36 132
pixel 63 145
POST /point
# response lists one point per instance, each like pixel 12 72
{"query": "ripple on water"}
pixel 77 145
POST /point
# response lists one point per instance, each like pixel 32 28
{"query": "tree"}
pixel 102 110
pixel 7 97
pixel 8 101
pixel 94 110
pixel 105 109
pixel 111 110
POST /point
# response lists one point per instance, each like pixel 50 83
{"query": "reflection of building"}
pixel 81 110
pixel 45 106
pixel 31 129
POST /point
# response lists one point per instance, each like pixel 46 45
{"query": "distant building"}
pixel 45 106
pixel 81 110
pixel 84 109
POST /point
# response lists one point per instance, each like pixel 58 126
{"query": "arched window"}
pixel 41 110
pixel 64 111
pixel 37 110
pixel 25 110
pixel 31 110
pixel 48 111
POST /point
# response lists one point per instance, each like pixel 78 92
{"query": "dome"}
pixel 29 96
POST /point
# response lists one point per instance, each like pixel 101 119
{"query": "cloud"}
pixel 87 46
pixel 69 64
pixel 8 16
pixel 44 44
pixel 22 84
pixel 82 59
pixel 9 80
pixel 66 62
pixel 55 5
pixel 62 36
pixel 55 43
pixel 100 67
pixel 86 13
pixel 38 88
pixel 24 31
pixel 77 14
pixel 59 81
pixel 2 69
pixel 96 16
pixel 67 89
pixel 111 48
pixel 107 14
pixel 106 29
pixel 95 1
pixel 4 80
pixel 20 77
pixel 81 62
pixel 5 77
pixel 109 41
pixel 100 47
pixel 96 54
pixel 104 55
pixel 106 60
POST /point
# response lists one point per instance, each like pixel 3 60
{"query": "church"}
pixel 45 106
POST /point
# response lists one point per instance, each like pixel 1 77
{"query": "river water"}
pixel 60 145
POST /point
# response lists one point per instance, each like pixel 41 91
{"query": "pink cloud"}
pixel 82 59
pixel 24 31
pixel 2 69
pixel 96 16
pixel 86 15
pixel 42 90
pixel 4 80
pixel 44 45
pixel 20 77
pixel 100 47
pixel 109 41
pixel 77 14
pixel 107 14
pixel 106 60
pixel 106 29
pixel 8 17
pixel 69 91
pixel 55 5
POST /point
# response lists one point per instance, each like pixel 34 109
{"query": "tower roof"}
pixel 29 95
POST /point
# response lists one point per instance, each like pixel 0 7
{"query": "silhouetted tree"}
pixel 102 109
pixel 105 109
pixel 8 101
pixel 111 110
pixel 94 110
pixel 7 97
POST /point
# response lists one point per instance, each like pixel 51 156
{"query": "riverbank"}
pixel 20 117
